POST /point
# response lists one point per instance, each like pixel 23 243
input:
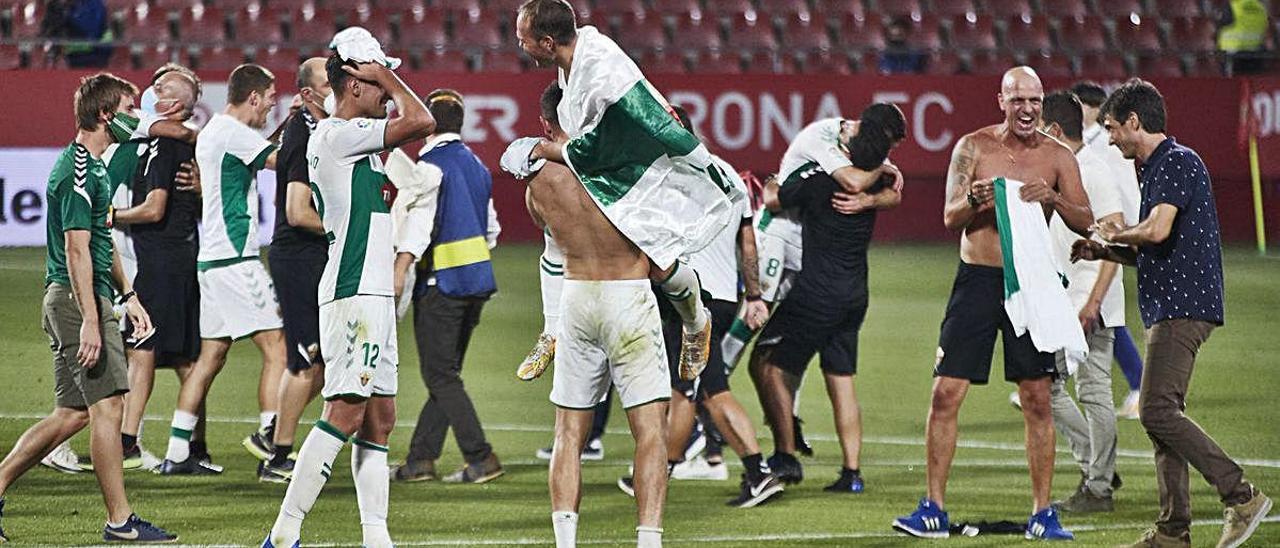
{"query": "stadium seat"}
pixel 256 27
pixel 618 10
pixel 121 59
pixel 1155 65
pixel 219 59
pixel 502 6
pixel 912 9
pixel 973 32
pixel 41 57
pixel 1204 66
pixel 479 30
pixel 1103 65
pixel 943 63
pixel 291 6
pixel 768 63
pixel 691 36
pixel 376 21
pixel 716 62
pixel 751 35
pixel 951 9
pixel 925 34
pixel 1066 9
pixel 677 10
pixel 10 57
pixel 1028 33
pixel 145 25
pixel 861 32
pixel 25 24
pixel 826 62
pixel 150 57
pixel 1137 34
pixel 444 61
pixel 783 11
pixel 1084 34
pixel 313 31
pixel 1171 9
pixel 987 63
pixel 839 11
pixel 423 28
pixel 801 35
pixel 663 62
pixel 731 11
pixel 121 5
pixel 238 5
pixel 505 62
pixel 202 26
pixel 397 6
pixel 281 59
pixel 461 8
pixel 1003 9
pixel 642 33
pixel 1119 8
pixel 174 6
pixel 1193 34
pixel 1051 66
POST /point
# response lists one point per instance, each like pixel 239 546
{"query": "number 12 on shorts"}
pixel 371 355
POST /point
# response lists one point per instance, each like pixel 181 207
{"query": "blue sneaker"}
pixel 137 530
pixel 266 543
pixel 2 537
pixel 1044 525
pixel 928 521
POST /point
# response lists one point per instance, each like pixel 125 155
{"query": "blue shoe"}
pixel 2 537
pixel 928 521
pixel 1044 525
pixel 266 543
pixel 137 530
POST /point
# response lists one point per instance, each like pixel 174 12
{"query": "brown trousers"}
pixel 1171 354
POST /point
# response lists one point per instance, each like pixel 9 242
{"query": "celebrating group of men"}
pixel 656 275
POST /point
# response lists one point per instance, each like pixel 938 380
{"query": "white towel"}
pixel 413 214
pixel 359 45
pixel 1035 296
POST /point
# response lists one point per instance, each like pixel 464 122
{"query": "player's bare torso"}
pixel 593 248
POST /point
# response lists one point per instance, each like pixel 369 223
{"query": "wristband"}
pixel 125 298
pixel 754 298
pixel 973 200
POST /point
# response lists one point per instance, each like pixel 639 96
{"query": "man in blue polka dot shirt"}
pixel 1178 252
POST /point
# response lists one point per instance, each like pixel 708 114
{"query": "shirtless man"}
pixel 1014 149
pixel 610 334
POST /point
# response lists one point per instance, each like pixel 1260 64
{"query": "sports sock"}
pixel 735 342
pixel 281 454
pixel 312 470
pixel 1126 353
pixel 551 282
pixel 180 436
pixel 684 291
pixel 128 442
pixel 373 479
pixel 755 467
pixel 266 420
pixel 648 537
pixel 565 525
pixel 117 525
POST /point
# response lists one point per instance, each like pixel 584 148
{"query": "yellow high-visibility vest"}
pixel 1248 29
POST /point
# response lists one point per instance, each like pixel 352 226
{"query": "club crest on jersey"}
pixel 365 377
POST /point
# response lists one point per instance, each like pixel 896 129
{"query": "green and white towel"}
pixel 1035 296
pixel 650 176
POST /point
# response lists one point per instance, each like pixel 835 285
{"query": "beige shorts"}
pixel 358 341
pixel 778 247
pixel 237 300
pixel 75 386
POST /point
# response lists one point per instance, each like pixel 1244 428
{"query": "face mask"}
pixel 122 126
pixel 149 100
pixel 330 104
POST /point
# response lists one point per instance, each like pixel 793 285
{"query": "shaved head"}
pixel 177 87
pixel 1020 98
pixel 311 73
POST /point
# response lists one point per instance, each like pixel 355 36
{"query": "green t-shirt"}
pixel 78 196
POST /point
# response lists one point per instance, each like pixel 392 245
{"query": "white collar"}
pixel 438 140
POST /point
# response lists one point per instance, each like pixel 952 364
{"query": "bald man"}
pixel 1014 149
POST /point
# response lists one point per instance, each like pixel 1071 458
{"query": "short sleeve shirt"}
pixel 160 167
pixel 1182 276
pixel 79 198
pixel 291 167
pixel 834 262
pixel 347 177
pixel 230 154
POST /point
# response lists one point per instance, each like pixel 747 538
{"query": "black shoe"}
pixel 189 467
pixel 627 486
pixel 136 529
pixel 802 445
pixel 757 492
pixel 848 482
pixel 786 468
pixel 271 473
pixel 259 445
pixel 1116 482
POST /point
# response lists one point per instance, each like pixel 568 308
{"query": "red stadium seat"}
pixel 255 27
pixel 861 33
pixel 715 62
pixel 1120 8
pixel 121 59
pixel 220 59
pixel 969 32
pixel 10 57
pixel 925 34
pixel 1171 9
pixel 1136 34
pixel 641 34
pixel 785 10
pixel 1193 34
pixel 146 26
pixel 281 59
pixel 826 62
pixel 174 5
pixel 1103 66
pixel 768 63
pixel 1204 66
pixel 838 11
pixel 692 36
pixel 1085 34
pixel 752 35
pixel 677 10
pixel 620 9
pixel 502 6
pixel 663 62
pixel 397 6
pixel 505 62
pixel 423 28
pixel 121 5
pixel 150 57
pixel 238 5
pixel 1066 9
pixel 943 63
pixel 1028 34
pixel 1051 66
pixel 950 9
pixel 1155 65
pixel 988 63
pixel 900 8
pixel 731 10
pixel 41 57
pixel 1008 8
pixel 801 35
pixel 444 61
pixel 314 31
pixel 25 24
pixel 377 22
pixel 202 26
pixel 480 30
pixel 288 6
pixel 461 8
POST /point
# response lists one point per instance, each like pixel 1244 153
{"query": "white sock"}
pixel 551 282
pixel 265 419
pixel 565 525
pixel 180 436
pixel 684 291
pixel 648 537
pixel 315 463
pixel 373 479
pixel 117 525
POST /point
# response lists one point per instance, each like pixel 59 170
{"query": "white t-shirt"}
pixel 1102 182
pixel 346 180
pixel 229 154
pixel 1126 175
pixel 717 264
pixel 818 142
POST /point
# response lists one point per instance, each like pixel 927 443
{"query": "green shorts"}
pixel 73 385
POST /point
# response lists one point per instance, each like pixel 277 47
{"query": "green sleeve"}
pixel 75 207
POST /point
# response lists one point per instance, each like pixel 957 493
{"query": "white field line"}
pixel 1139 454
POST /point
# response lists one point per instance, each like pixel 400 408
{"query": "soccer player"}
pixel 1178 252
pixel 1016 149
pixel 357 300
pixel 88 354
pixel 237 298
pixel 825 308
pixel 610 334
pixel 299 251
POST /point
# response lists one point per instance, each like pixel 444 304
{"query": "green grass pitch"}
pixel 1233 396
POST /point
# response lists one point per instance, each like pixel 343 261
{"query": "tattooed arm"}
pixel 959 209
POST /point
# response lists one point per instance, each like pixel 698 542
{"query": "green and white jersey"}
pixel 346 181
pixel 817 142
pixel 229 154
pixel 78 197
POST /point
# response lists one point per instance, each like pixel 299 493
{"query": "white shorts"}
pixel 358 341
pixel 610 333
pixel 237 300
pixel 778 246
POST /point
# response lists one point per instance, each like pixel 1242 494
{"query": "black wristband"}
pixel 973 200
pixel 754 298
pixel 125 298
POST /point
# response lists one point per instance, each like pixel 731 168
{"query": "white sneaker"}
pixel 1015 401
pixel 1130 408
pixel 593 451
pixel 149 461
pixel 698 468
pixel 62 459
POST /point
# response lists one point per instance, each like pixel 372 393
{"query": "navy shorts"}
pixel 297 282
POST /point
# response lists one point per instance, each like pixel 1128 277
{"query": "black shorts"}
pixel 297 281
pixel 715 378
pixel 974 314
pixel 803 326
pixel 167 288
